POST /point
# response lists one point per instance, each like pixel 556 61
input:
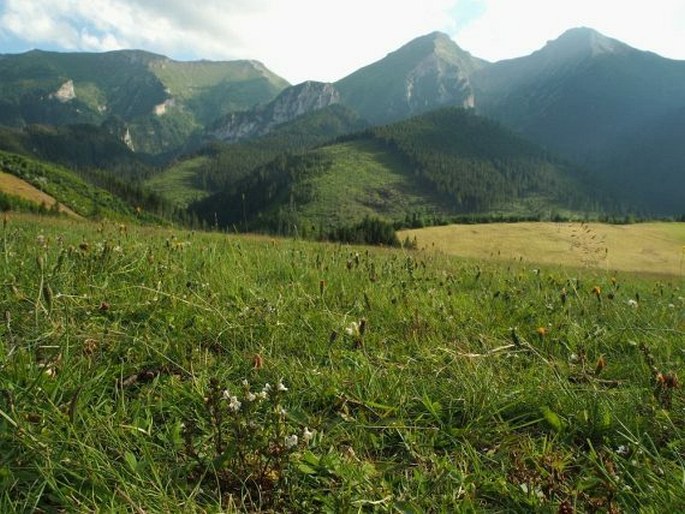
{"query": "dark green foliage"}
pixel 70 190
pixel 231 162
pixel 370 231
pixel 77 146
pixel 478 164
pixel 95 155
pixel 462 163
pixel 265 200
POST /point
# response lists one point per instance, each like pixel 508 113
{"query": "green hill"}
pixel 444 163
pixel 219 166
pixel 66 188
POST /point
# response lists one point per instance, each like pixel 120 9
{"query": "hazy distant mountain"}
pixel 160 101
pixel 596 100
pixel 427 73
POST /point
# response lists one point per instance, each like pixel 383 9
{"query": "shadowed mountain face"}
pixel 595 100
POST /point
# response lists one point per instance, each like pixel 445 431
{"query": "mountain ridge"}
pixel 584 96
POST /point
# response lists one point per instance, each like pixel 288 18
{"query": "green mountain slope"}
pixel 162 102
pixel 443 163
pixel 219 166
pixel 594 99
pixel 427 73
pixel 67 189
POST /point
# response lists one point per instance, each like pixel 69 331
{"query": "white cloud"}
pixel 326 39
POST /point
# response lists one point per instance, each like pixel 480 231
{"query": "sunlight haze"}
pixel 323 40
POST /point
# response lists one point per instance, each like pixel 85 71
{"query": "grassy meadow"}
pixel 160 370
pixel 651 248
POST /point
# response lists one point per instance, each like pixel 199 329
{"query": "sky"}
pixel 328 39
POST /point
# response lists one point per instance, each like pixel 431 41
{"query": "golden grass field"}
pixel 654 248
pixel 15 186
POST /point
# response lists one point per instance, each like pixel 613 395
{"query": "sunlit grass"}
pixel 653 248
pixel 427 383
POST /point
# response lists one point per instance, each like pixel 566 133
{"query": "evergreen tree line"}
pixel 477 165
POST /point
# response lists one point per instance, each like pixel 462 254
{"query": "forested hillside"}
pixel 438 165
pixel 219 166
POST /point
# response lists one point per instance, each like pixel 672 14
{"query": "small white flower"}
pixel 352 329
pixel 266 388
pixel 225 394
pixel 633 303
pixel 307 435
pixel 573 358
pixel 281 387
pixel 671 306
pixel 246 383
pixel 262 395
pixel 623 450
pixel 291 441
pixel 250 397
pixel 234 404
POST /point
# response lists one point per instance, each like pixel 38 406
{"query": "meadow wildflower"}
pixel 352 329
pixel 281 388
pixel 307 435
pixel 250 397
pixel 541 331
pixel 633 303
pixel 291 441
pixel 234 404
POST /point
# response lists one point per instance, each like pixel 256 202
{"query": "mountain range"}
pixel 613 113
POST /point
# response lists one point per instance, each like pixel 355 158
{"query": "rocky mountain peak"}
pixel 582 42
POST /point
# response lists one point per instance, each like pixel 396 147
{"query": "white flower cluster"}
pixel 234 403
pixel 291 441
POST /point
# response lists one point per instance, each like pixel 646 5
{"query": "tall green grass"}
pixel 415 383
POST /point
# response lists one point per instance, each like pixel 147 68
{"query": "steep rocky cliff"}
pixel 290 104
